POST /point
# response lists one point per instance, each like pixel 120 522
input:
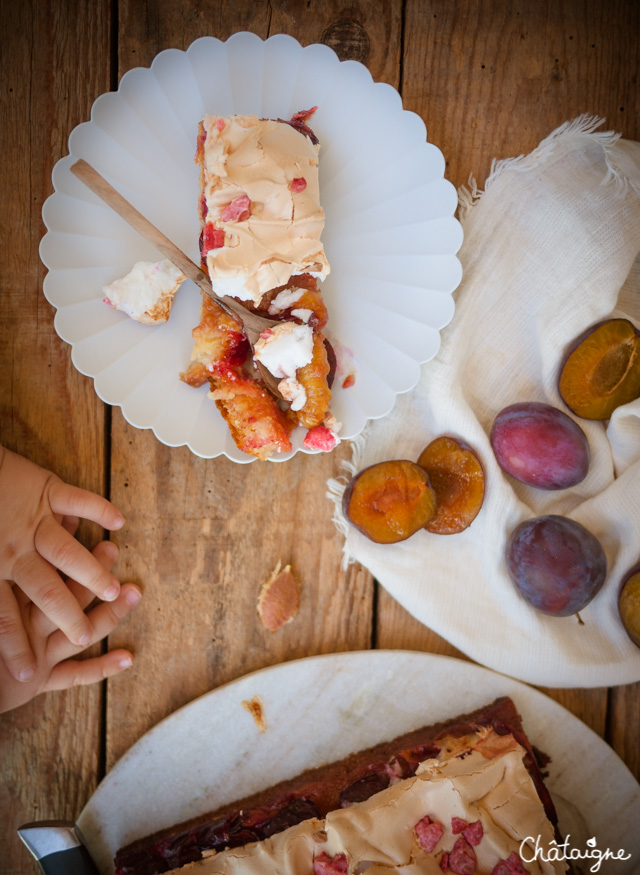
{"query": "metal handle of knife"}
pixel 58 848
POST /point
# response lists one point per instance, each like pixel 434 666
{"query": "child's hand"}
pixel 55 667
pixel 38 518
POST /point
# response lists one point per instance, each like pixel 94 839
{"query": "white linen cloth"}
pixel 550 247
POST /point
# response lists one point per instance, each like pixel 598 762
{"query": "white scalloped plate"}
pixel 320 709
pixel 390 234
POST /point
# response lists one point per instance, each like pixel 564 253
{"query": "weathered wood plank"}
pixel 397 629
pixel 493 79
pixel 54 63
pixel 623 725
pixel 201 538
pixel 369 31
pixel 146 28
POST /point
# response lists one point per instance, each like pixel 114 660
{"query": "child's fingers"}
pixel 70 523
pixel 103 618
pixel 15 649
pixel 68 555
pixel 75 672
pixel 72 501
pixel 106 553
pixel 40 582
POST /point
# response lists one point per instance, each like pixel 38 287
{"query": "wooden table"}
pixel 490 79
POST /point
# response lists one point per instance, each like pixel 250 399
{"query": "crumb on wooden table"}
pixel 279 599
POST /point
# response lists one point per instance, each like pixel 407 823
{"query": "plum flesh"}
pixel 629 605
pixel 540 445
pixel 390 501
pixel 457 478
pixel 556 564
pixel 601 369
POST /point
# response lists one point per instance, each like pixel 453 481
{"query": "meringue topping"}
pixel 146 293
pixel 486 783
pixel 265 223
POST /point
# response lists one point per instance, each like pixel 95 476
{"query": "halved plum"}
pixel 629 604
pixel 457 478
pixel 601 369
pixel 390 501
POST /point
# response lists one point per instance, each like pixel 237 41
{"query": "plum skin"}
pixel 556 564
pixel 540 445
